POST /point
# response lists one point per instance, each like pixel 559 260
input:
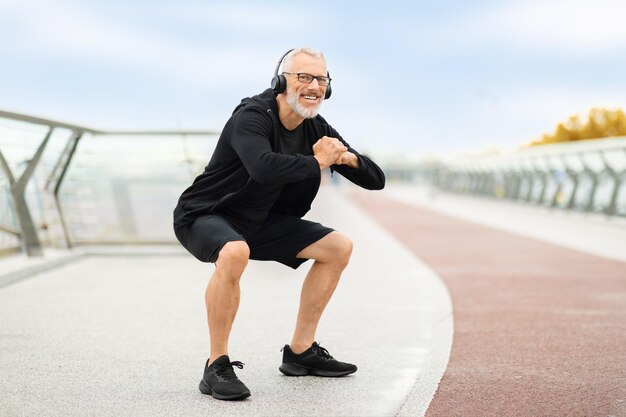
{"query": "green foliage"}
pixel 601 123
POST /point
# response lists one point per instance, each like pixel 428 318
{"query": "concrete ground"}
pixel 122 331
pixel 539 300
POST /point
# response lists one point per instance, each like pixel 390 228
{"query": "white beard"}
pixel 294 103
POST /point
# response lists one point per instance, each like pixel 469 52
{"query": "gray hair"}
pixel 288 60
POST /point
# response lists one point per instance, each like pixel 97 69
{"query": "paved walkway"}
pixel 540 328
pixel 591 233
pixel 539 319
pixel 122 332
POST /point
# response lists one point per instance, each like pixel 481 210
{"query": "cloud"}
pixel 486 120
pixel 523 115
pixel 236 17
pixel 70 30
pixel 572 26
pixel 538 110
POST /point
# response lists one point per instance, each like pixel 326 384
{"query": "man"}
pixel 249 202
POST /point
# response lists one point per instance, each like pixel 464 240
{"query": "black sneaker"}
pixel 221 382
pixel 314 361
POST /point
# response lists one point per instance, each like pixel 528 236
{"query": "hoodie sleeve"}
pixel 368 175
pixel 250 139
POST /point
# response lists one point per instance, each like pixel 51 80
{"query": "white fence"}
pixel 586 175
pixel 62 184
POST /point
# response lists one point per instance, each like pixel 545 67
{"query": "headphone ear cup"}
pixel 329 89
pixel 279 84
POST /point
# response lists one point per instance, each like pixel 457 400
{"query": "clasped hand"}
pixel 329 151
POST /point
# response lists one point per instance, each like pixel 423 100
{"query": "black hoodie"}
pixel 245 155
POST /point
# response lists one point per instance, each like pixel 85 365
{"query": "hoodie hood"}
pixel 266 101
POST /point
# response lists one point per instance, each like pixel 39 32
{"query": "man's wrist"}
pixel 321 164
pixel 354 162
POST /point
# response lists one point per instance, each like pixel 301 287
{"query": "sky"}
pixel 425 78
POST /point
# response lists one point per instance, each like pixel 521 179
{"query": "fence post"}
pixel 28 232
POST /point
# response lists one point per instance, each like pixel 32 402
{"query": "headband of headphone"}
pixel 279 82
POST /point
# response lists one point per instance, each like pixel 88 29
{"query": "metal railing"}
pixel 33 172
pixel 587 176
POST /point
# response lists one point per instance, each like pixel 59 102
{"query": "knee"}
pixel 233 257
pixel 342 249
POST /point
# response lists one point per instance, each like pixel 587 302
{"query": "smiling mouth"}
pixel 310 98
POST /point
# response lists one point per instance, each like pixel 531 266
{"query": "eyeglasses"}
pixel 305 78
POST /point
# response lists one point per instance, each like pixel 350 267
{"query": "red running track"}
pixel 539 330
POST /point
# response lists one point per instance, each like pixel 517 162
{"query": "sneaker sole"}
pixel 292 369
pixel 206 390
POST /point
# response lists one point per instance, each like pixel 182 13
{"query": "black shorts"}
pixel 280 238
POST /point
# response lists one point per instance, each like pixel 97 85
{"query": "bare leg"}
pixel 222 295
pixel 331 255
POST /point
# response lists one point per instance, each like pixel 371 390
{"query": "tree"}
pixel 601 123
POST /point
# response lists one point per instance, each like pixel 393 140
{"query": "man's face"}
pixel 305 99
